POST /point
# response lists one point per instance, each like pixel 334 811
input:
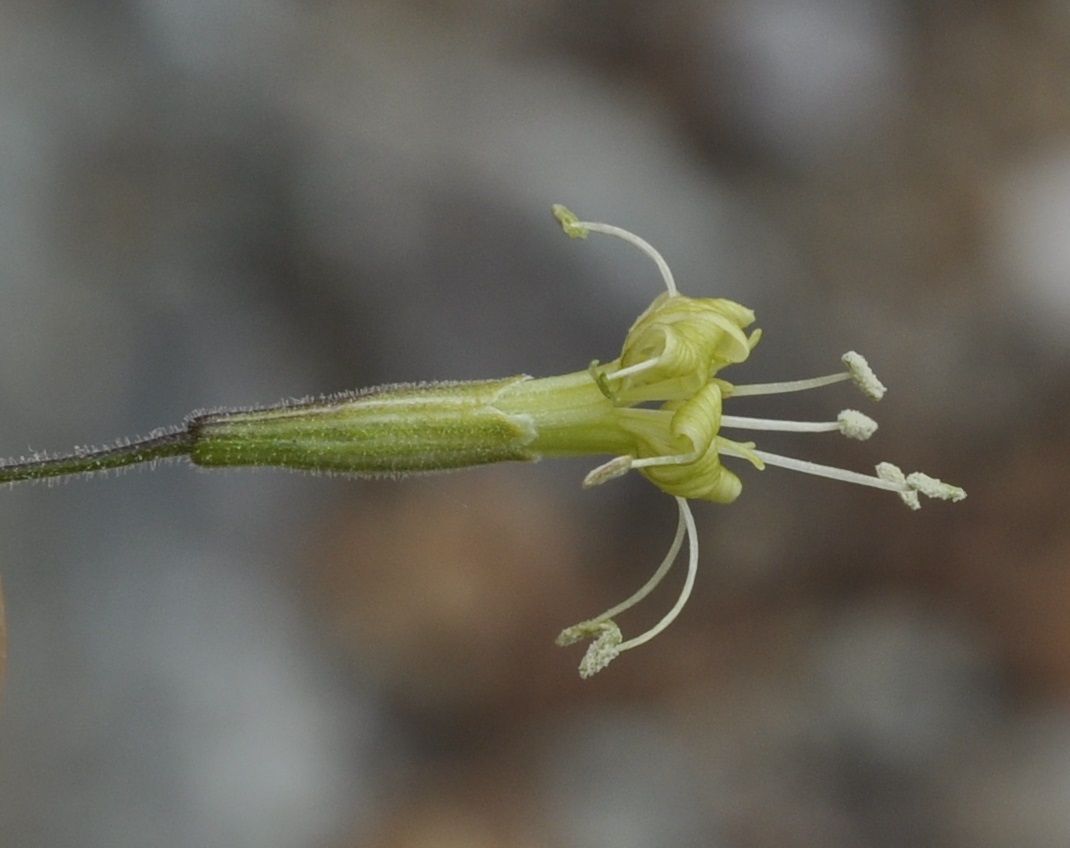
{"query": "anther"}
pixel 856 425
pixel 862 375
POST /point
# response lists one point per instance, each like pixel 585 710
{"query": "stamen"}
pixel 831 472
pixel 575 228
pixel 608 644
pixel 889 477
pixel 659 574
pixel 621 465
pixel 850 423
pixel 858 371
pixel 692 569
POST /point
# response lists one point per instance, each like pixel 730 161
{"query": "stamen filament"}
pixel 662 570
pixel 744 423
pixel 692 569
pixel 673 459
pixel 631 370
pixel 787 386
pixel 829 471
pixel 607 643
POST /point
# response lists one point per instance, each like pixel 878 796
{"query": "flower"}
pixel 667 399
pixel 656 409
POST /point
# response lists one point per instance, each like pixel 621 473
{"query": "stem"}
pixel 160 444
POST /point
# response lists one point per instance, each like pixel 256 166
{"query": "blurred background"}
pixel 212 203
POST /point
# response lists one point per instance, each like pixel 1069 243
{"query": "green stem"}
pixel 161 444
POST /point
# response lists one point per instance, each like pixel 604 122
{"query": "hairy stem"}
pixel 160 444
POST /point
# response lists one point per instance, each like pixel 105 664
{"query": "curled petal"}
pixel 690 339
pixel 694 469
pixel 704 479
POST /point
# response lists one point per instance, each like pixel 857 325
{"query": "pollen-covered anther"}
pixel 934 488
pixel 602 651
pixel 862 375
pixel 604 648
pixel 591 629
pixel 894 474
pixel 856 425
pixel 910 486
